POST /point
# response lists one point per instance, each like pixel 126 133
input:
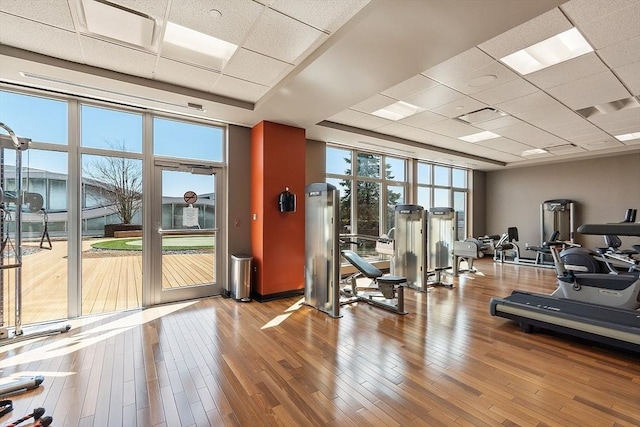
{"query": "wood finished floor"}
pixel 221 363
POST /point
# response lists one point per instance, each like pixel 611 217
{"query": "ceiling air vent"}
pixel 609 107
pixel 482 115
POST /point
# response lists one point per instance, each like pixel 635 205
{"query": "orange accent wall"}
pixel 277 238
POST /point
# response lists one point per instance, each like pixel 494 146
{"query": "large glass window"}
pixel 172 138
pixel 40 119
pixel 111 130
pixel 367 197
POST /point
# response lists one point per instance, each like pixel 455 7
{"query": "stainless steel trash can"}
pixel 241 277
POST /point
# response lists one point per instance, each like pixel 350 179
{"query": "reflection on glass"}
pixel 111 130
pixel 338 161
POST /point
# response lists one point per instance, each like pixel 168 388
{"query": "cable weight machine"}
pixel 14 262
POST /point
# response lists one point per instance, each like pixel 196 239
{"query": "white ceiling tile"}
pixel 238 17
pixel 185 75
pixel 39 38
pixel 103 54
pixel 422 120
pixel 593 90
pixel 257 68
pixel 323 15
pixel 565 149
pixel 434 97
pixel 502 122
pixel 590 10
pixel 574 69
pixel 46 12
pixel 471 83
pixel 459 65
pixel 617 119
pixel 239 89
pixel 410 87
pixel 528 134
pixel 507 157
pixel 506 91
pixel 505 144
pixel 527 102
pixel 282 37
pixel 452 128
pixel 395 129
pixel 576 129
pixel 623 53
pixel 550 115
pixel 371 122
pixel 459 107
pixel 630 76
pixel 613 28
pixel 601 145
pixel 374 103
pixel 347 117
pixel 531 32
pixel 421 135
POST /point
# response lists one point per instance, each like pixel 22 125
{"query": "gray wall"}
pixel 239 197
pixel 478 205
pixel 603 189
pixel 316 157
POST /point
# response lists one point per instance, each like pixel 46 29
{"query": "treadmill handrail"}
pixel 620 229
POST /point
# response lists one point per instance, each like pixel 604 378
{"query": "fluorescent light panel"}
pixel 399 110
pixel 534 151
pixel 480 136
pixel 180 41
pixel 628 136
pixel 119 23
pixel 554 50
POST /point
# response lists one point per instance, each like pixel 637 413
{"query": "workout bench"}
pixel 383 291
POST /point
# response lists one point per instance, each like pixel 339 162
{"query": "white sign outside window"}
pixel 190 217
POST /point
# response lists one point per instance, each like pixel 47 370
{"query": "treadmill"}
pixel 612 326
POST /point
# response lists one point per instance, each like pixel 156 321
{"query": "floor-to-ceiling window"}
pixel 44 211
pixel 368 192
pixel 83 248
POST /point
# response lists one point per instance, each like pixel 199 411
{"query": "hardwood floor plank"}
pixel 216 363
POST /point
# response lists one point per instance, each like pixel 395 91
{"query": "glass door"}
pixel 185 239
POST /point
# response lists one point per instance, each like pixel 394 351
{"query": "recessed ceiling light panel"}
pixel 554 50
pixel 188 45
pixel 628 136
pixel 480 136
pixel 397 111
pixel 534 151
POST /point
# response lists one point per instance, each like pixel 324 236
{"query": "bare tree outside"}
pixel 120 178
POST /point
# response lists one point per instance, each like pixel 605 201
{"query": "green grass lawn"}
pixel 172 243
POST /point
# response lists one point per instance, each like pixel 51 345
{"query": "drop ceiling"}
pixel 327 65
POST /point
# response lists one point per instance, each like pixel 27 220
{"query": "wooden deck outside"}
pixel 111 281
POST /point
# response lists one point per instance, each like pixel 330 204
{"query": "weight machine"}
pixel 18 198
